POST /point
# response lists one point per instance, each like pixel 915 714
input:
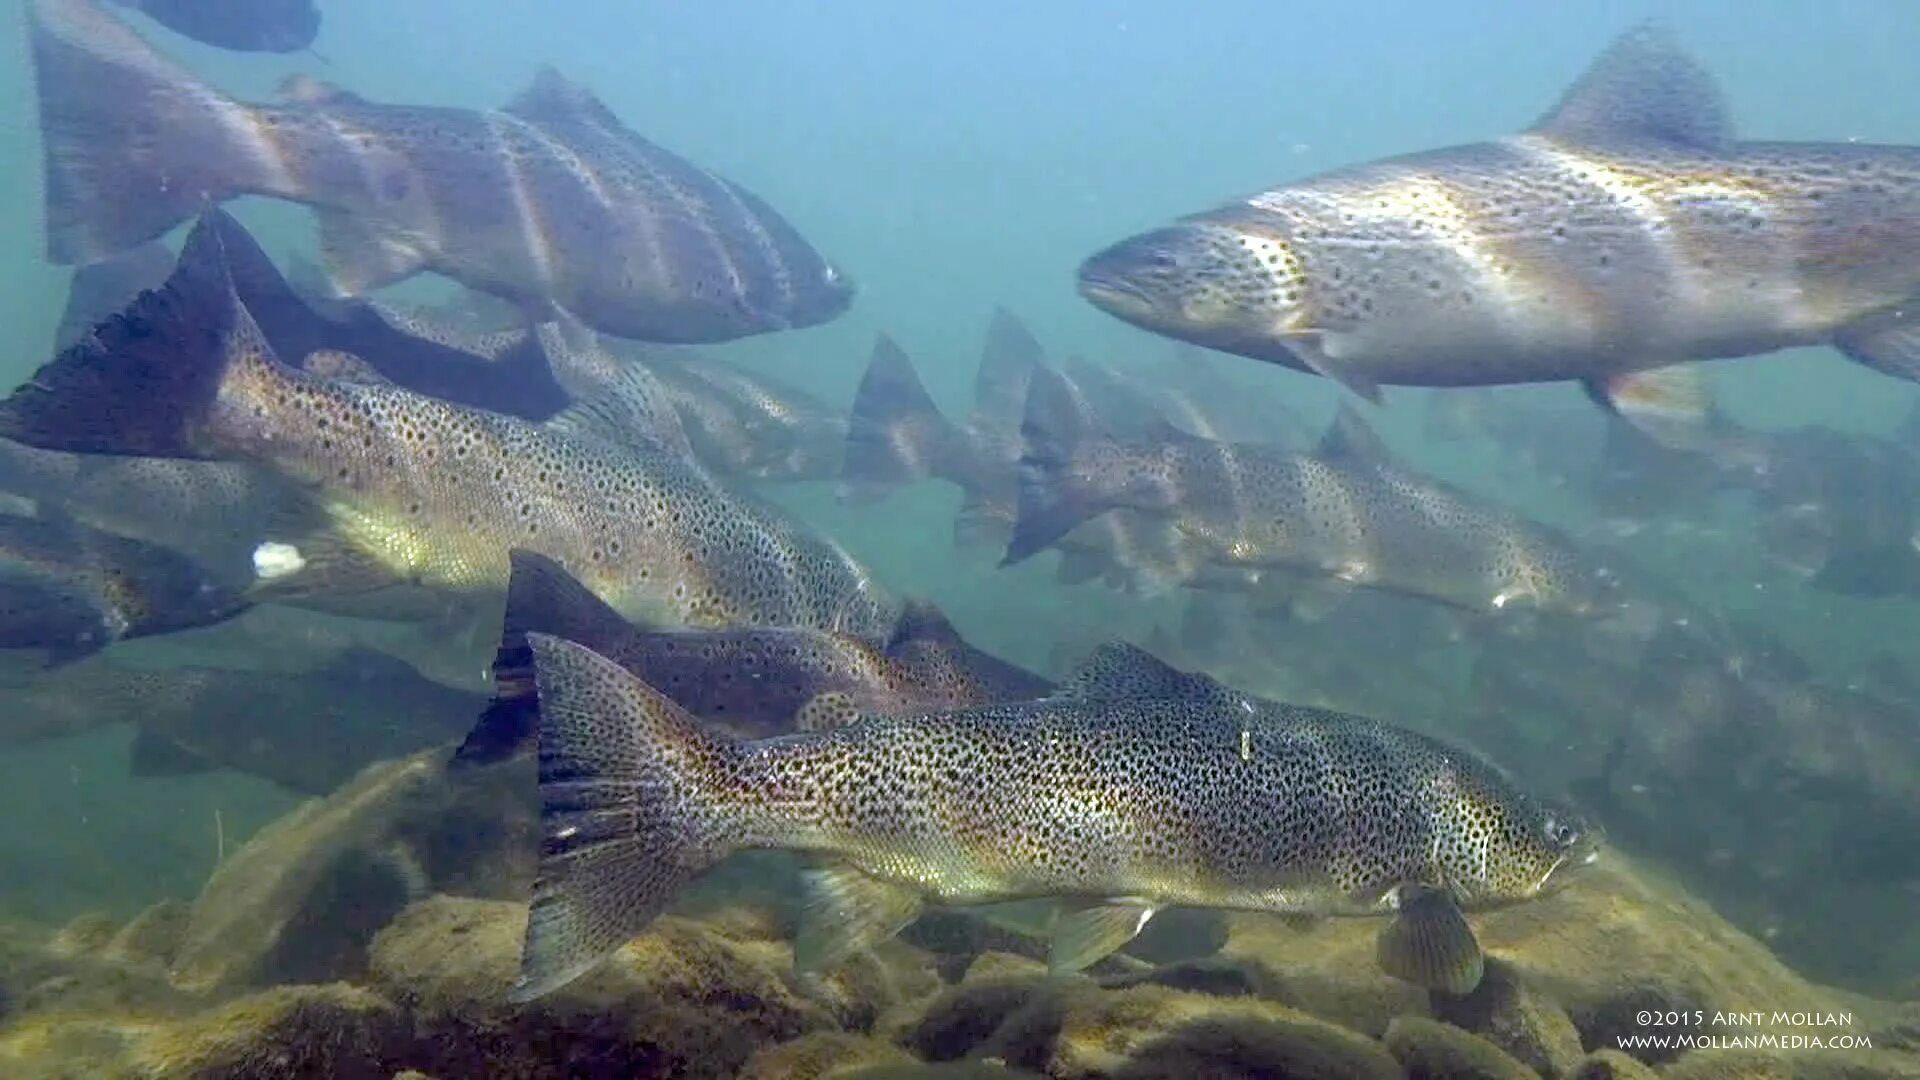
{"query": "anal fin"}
pixel 848 910
pixel 1083 937
pixel 361 257
pixel 1429 943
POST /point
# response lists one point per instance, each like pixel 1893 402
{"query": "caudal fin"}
pixel 1054 495
pixel 896 434
pixel 1007 363
pixel 133 143
pixel 630 797
pixel 541 597
pixel 146 381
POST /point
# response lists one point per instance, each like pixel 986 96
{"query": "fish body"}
pixel 1626 231
pixel 1346 514
pixel 550 201
pixel 1135 788
pixel 420 491
pixel 742 423
pixel 753 682
pixel 72 590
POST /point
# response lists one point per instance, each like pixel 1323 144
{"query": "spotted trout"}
pixel 550 201
pixel 414 490
pixel 1625 231
pixel 1134 788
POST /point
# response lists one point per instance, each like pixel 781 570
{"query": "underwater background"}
pixel 954 158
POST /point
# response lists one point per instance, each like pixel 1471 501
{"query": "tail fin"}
pixel 896 434
pixel 542 597
pixel 1054 496
pixel 146 381
pixel 1007 363
pixel 628 785
pixel 132 142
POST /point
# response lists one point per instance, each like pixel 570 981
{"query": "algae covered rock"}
pixel 679 1000
pixel 298 897
pixel 1430 1050
pixel 1073 1028
pixel 823 1056
pixel 153 936
pixel 336 1031
pixel 1516 1018
pixel 1609 1065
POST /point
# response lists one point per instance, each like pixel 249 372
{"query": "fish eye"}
pixel 1164 259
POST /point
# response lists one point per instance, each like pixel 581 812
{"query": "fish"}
pixel 1134 788
pixel 71 591
pixel 1622 236
pixel 309 732
pixel 1348 515
pixel 754 682
pixel 550 202
pixel 276 26
pixel 414 491
pixel 742 423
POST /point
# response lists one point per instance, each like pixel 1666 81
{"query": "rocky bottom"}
pixel 1582 984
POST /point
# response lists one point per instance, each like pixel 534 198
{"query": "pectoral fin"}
pixel 1888 343
pixel 1429 943
pixel 1085 936
pixel 1310 350
pixel 847 911
pixel 1673 406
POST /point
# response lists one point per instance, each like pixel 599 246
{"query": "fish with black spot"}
pixel 1134 788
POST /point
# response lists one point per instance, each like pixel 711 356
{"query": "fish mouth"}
pixel 1114 294
pixel 1571 864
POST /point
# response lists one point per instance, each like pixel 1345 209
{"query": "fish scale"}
pixel 1133 788
pixel 1626 231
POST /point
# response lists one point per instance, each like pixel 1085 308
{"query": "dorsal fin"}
pixel 554 97
pixel 1350 438
pixel 1644 87
pixel 303 89
pixel 921 621
pixel 1121 671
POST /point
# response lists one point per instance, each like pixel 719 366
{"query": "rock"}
pixel 679 1000
pixel 336 1031
pixel 1609 1065
pixel 964 1017
pixel 1072 1029
pixel 301 898
pixel 959 1070
pixel 1510 1015
pixel 152 937
pixel 84 935
pixel 1430 1050
pixel 827 1055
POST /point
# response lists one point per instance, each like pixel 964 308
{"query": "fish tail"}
pixel 1007 361
pixel 896 435
pixel 541 597
pixel 633 806
pixel 149 381
pixel 132 143
pixel 1055 495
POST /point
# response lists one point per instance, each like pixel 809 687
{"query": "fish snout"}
pixel 1197 280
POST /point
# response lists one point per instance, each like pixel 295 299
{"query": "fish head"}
pixel 1515 848
pixel 1226 283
